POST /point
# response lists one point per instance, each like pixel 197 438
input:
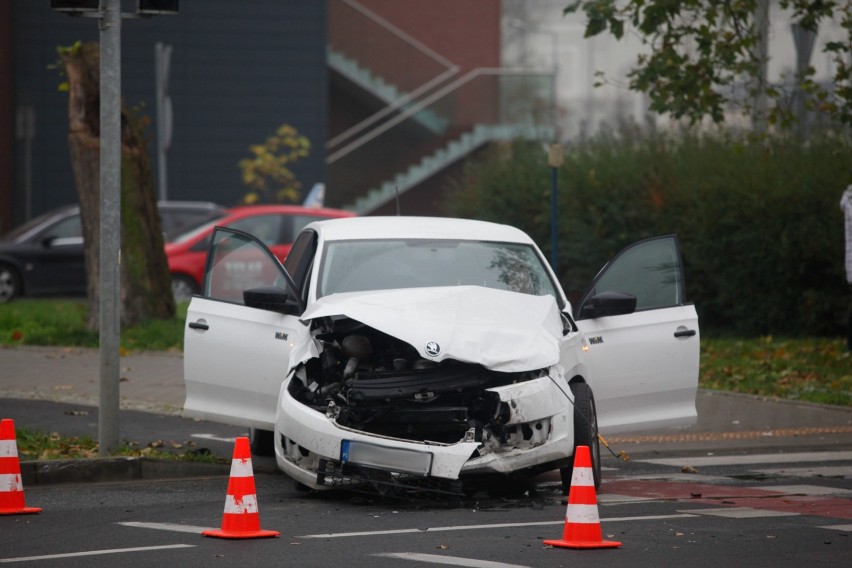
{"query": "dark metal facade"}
pixel 238 71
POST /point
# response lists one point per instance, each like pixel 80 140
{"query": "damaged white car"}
pixel 407 352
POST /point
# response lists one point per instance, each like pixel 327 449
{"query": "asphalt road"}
pixel 756 510
pixel 754 482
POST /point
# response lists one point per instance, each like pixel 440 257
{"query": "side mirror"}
pixel 608 304
pixel 271 298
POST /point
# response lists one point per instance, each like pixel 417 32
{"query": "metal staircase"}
pixel 431 117
pixel 381 89
pixel 444 157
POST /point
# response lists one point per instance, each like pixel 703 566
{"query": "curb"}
pixel 764 398
pixel 48 472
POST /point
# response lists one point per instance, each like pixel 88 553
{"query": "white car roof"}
pixel 353 228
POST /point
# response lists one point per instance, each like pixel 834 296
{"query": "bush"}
pixel 758 220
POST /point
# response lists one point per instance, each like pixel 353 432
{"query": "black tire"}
pixel 183 287
pixel 585 433
pixel 262 442
pixel 10 283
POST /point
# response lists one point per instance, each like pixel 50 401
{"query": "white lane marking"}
pixel 688 477
pixel 168 527
pixel 214 438
pixel 739 513
pixel 451 560
pixel 824 471
pixel 845 528
pixel 811 490
pixel 611 498
pixel 494 526
pixel 753 459
pixel 94 553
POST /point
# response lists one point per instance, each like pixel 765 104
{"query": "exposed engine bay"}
pixel 369 381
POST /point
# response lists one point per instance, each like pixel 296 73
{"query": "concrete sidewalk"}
pixel 150 380
pixel 153 382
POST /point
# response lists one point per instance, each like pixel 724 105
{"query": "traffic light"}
pixel 157 6
pixel 75 5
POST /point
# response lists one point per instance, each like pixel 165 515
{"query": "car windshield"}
pixel 362 265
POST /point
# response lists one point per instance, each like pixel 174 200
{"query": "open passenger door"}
pixel 642 339
pixel 240 332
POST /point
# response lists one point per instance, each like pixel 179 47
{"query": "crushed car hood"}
pixel 503 331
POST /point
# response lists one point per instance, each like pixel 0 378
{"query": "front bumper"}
pixel 317 452
pixel 305 436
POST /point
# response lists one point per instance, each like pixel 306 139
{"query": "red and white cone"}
pixel 11 488
pixel 582 523
pixel 241 518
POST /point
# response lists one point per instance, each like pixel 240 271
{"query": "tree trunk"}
pixel 145 281
pixel 146 291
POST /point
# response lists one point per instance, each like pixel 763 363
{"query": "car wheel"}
pixel 262 442
pixel 585 433
pixel 10 283
pixel 183 288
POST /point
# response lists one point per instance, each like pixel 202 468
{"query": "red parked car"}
pixel 276 225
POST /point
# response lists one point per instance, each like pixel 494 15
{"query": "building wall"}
pixel 538 34
pixel 410 44
pixel 465 32
pixel 238 71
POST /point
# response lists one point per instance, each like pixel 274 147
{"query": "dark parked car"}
pixel 45 255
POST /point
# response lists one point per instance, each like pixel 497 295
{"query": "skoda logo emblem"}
pixel 433 349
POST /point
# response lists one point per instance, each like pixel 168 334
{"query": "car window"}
pixel 267 228
pixel 176 221
pixel 237 263
pixel 67 228
pixel 350 266
pixel 22 231
pixel 202 225
pixel 650 270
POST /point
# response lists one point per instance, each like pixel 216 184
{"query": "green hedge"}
pixel 758 220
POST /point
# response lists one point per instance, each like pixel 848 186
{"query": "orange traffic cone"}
pixel 582 523
pixel 11 488
pixel 241 518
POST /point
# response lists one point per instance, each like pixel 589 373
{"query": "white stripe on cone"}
pixel 10 482
pixel 582 514
pixel 248 504
pixel 8 449
pixel 241 468
pixel 582 477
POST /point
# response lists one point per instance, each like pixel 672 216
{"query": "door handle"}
pixel 198 325
pixel 681 333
